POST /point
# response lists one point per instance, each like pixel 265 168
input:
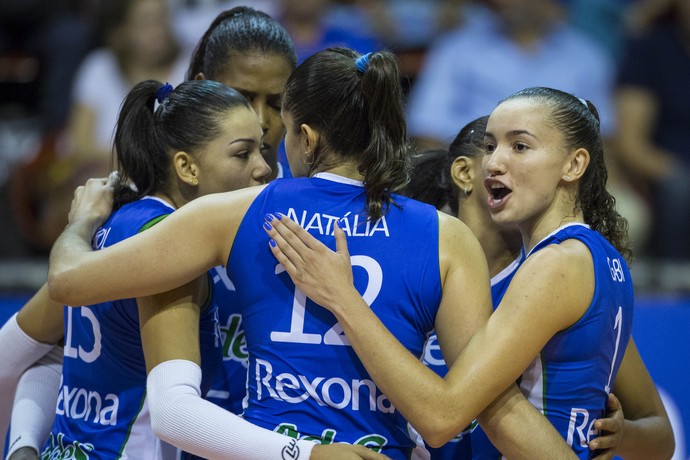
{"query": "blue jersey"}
pixel 305 380
pixel 229 387
pixel 101 409
pixel 460 447
pixel 570 380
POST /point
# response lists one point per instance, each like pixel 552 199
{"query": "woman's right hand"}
pixel 93 202
pixel 343 452
pixel 323 275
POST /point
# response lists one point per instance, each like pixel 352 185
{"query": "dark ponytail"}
pixel 359 111
pixel 141 160
pixel 185 119
pixel 384 160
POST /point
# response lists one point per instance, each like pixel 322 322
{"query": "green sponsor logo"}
pixel 57 450
pixel 234 343
pixel 373 441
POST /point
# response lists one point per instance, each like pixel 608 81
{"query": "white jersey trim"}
pixel 340 179
pixel 532 384
pixel 155 198
pixel 506 271
pixel 572 224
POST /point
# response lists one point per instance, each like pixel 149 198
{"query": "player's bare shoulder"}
pixel 558 277
pixel 458 247
pixel 453 233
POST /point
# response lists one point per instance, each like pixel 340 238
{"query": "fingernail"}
pixel 272 243
pixel 279 215
pixel 269 217
pixel 267 226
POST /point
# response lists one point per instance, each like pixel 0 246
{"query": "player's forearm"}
pixel 34 403
pixel 18 351
pixel 424 399
pixel 520 431
pixel 65 269
pixel 182 418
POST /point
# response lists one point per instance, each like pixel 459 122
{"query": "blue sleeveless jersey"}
pixel 229 386
pixel 305 380
pixel 461 447
pixel 570 380
pixel 101 409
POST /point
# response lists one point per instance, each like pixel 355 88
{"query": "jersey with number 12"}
pixel 305 380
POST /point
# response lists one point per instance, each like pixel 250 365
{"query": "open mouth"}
pixel 497 192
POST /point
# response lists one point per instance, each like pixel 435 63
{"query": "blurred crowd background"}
pixel 65 66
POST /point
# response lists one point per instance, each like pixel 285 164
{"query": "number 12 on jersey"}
pixel 335 335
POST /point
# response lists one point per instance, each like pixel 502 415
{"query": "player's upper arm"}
pixel 41 318
pixel 466 302
pixel 545 296
pixel 169 323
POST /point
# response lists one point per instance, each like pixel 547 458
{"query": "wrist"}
pixel 85 227
pixel 349 305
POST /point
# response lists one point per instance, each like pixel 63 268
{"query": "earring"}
pixel 567 178
pixel 194 181
pixel 467 191
pixel 308 161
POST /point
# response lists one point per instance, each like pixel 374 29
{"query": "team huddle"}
pixel 468 303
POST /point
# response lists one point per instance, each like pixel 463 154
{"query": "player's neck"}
pixel 344 169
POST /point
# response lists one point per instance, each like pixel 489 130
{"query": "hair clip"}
pixel 163 92
pixel 362 62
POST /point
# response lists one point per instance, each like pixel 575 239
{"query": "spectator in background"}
pixel 603 20
pixel 506 45
pixel 653 110
pixel 307 23
pixel 406 27
pixel 402 23
pixel 138 44
pixel 41 47
pixel 51 38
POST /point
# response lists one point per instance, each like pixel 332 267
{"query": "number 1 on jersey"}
pixel 335 335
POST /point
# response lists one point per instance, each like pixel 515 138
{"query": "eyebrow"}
pixel 513 133
pixel 518 132
pixel 249 140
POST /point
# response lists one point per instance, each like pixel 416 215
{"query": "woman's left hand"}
pixel 321 274
pixel 611 428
